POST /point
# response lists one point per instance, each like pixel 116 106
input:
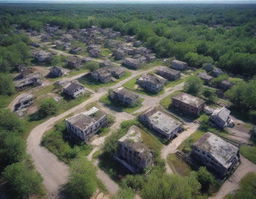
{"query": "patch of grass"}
pixel 186 146
pixel 165 102
pixel 105 52
pixel 157 62
pixel 56 141
pixel 92 84
pixel 176 82
pixel 6 100
pixel 247 188
pixel 44 91
pixel 118 107
pixel 178 165
pixel 249 152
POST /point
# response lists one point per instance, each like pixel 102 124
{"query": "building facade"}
pixel 161 123
pixel 218 155
pixel 83 126
pixel 188 103
pixel 132 153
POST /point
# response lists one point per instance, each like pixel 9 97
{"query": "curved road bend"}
pixel 54 172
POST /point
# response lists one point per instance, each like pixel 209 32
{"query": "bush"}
pixel 22 180
pixel 193 85
pixel 205 178
pixel 92 66
pixel 82 181
pixel 10 122
pixel 6 85
pixel 48 107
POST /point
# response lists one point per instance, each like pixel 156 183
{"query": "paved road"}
pixel 232 183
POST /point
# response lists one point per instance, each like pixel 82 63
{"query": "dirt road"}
pixel 174 144
pixel 233 182
pixel 53 171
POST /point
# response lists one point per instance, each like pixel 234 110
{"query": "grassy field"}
pixel 106 101
pixel 178 165
pixel 6 100
pixel 187 144
pixel 249 152
pixel 92 84
pixel 165 102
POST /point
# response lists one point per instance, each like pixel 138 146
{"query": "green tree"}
pixel 22 180
pixel 205 178
pixel 92 66
pixel 12 148
pixel 6 84
pixel 210 95
pixel 82 181
pixel 194 85
pixel 10 122
pixel 48 107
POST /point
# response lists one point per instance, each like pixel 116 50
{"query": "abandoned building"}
pixel 57 72
pixel 132 153
pixel 218 155
pixel 151 82
pixel 75 50
pixel 118 54
pixel 107 74
pixel 42 56
pixel 131 63
pixel 216 72
pixel 225 85
pixel 161 123
pixel 24 102
pixel 205 77
pixel 221 117
pixel 188 103
pixel 179 65
pixel 74 89
pixel 29 80
pixel 168 73
pixel 74 62
pixel 124 97
pixel 83 126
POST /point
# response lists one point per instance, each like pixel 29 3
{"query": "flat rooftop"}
pixel 220 149
pixel 189 99
pixel 163 122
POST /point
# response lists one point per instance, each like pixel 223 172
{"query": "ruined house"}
pixel 74 62
pixel 24 102
pixel 225 85
pixel 218 155
pixel 56 71
pixel 151 82
pixel 84 125
pixel 107 74
pixel 124 97
pixel 131 63
pixel 168 73
pixel 42 56
pixel 179 65
pixel 119 54
pixel 161 123
pixel 30 80
pixel 188 103
pixel 216 72
pixel 221 117
pixel 205 77
pixel 74 89
pixel 75 50
pixel 132 153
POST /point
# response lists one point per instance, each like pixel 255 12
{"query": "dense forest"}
pixel 201 35
pixel 222 35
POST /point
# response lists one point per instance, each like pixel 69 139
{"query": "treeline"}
pixel 196 34
pixel 14 50
pixel 16 169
